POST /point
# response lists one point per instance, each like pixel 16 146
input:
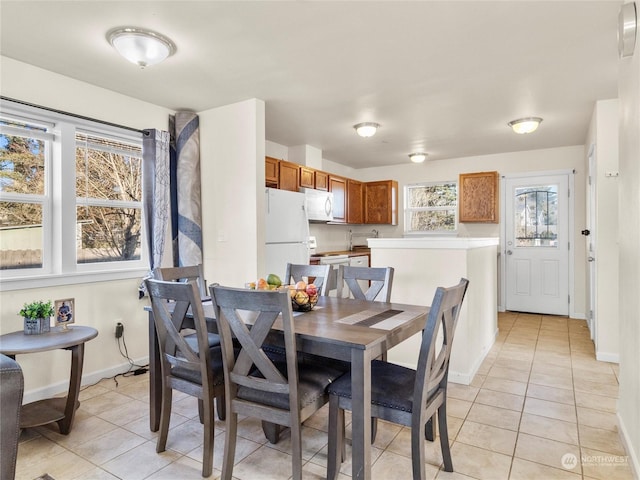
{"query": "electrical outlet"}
pixel 119 330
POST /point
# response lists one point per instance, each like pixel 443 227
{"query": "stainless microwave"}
pixel 319 205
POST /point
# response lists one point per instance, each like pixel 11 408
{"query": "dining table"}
pixel 356 331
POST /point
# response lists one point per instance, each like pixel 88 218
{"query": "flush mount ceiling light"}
pixel 366 129
pixel 525 125
pixel 140 46
pixel 627 28
pixel 418 157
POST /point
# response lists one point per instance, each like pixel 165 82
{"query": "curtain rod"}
pixel 82 117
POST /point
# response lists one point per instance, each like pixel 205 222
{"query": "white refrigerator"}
pixel 287 231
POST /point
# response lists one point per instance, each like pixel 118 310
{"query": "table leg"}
pixel 77 361
pixel 155 377
pixel 361 413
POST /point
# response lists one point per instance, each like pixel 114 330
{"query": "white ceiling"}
pixel 443 77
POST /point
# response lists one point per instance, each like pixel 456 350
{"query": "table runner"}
pixel 385 320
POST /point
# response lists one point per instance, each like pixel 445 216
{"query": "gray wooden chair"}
pixel 380 280
pixel 184 274
pixel 273 388
pixel 406 396
pixel 319 274
pixel 188 363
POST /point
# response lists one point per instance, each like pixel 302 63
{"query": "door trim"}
pixel 572 234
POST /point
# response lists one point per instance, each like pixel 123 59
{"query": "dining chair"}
pixel 273 388
pixel 319 274
pixel 188 363
pixel 184 274
pixel 405 396
pixel 380 280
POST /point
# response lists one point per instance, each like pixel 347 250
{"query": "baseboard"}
pixel 608 357
pixel 467 378
pixel 58 388
pixel 634 462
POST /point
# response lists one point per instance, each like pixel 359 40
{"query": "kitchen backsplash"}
pixel 332 238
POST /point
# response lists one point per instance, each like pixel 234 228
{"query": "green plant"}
pixel 38 309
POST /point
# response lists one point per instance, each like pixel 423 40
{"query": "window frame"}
pixel 408 210
pixel 60 265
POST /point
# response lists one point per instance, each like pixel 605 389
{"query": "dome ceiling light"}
pixel 418 157
pixel 366 129
pixel 525 125
pixel 140 46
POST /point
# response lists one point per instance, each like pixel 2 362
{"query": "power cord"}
pixel 134 368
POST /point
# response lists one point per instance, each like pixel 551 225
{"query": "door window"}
pixel 536 216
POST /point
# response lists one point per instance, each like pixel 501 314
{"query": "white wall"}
pixel 232 150
pixel 629 300
pixel 48 373
pixel 603 134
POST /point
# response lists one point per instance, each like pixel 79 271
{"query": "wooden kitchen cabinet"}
pixel 479 197
pixel 338 186
pixel 288 176
pixel 307 177
pixel 322 180
pixel 271 172
pixel 381 202
pixel 355 201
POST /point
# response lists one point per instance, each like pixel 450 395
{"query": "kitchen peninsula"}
pixel 421 265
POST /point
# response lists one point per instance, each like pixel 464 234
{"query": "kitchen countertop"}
pixel 358 251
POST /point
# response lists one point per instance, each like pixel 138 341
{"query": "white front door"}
pixel 537 244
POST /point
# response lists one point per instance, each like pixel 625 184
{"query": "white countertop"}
pixel 440 242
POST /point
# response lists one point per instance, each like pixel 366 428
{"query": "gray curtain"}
pixel 185 189
pixel 156 194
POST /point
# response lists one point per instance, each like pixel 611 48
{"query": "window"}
pixel 431 208
pixel 70 195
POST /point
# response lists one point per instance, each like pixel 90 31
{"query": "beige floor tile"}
pixel 544 408
pixel 608 378
pixel 401 445
pixel 497 417
pixel 485 436
pixel 391 465
pixel 500 399
pixel 545 427
pixel 525 470
pixel 85 429
pixel 603 466
pixel 458 408
pixel 515 364
pixel 62 466
pixel 544 451
pixel 538 378
pixel 480 463
pixel 183 468
pixel 106 401
pixel 462 392
pixel 504 385
pixel 560 395
pixel 244 448
pixel 605 389
pixel 552 370
pixel 124 414
pixel 478 380
pixel 140 462
pixel 596 402
pixel 108 446
pixel 96 473
pixel 507 373
pixel 602 440
pixel 597 419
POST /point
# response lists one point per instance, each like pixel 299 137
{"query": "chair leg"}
pixel 209 428
pixel 271 431
pixel 374 429
pixel 201 411
pixel 230 435
pixel 335 455
pixel 296 451
pixel 165 416
pixel 430 429
pixel 418 456
pixel 220 406
pixel 444 438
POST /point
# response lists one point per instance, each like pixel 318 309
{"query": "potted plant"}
pixel 37 317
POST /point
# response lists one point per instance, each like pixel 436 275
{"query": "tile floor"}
pixel 539 401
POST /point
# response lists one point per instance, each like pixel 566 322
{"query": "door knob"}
pixel 591 259
pixel 509 252
pixel 585 232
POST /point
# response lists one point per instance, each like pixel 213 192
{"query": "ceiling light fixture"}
pixel 140 46
pixel 366 129
pixel 525 125
pixel 418 157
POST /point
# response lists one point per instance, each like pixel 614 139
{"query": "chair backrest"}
pixel 319 274
pixel 380 280
pixel 184 274
pixel 433 362
pixel 170 302
pixel 234 309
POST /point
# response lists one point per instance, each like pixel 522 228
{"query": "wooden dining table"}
pixel 356 331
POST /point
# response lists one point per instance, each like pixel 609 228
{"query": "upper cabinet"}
pixel 307 177
pixel 338 186
pixel 289 176
pixel 381 202
pixel 272 172
pixel 355 201
pixel 322 180
pixel 479 197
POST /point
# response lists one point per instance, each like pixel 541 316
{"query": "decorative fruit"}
pixel 311 290
pixel 301 285
pixel 273 279
pixel 292 291
pixel 262 284
pixel 252 285
pixel 301 297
